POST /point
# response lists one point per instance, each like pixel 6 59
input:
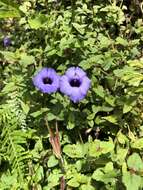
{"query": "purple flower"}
pixel 6 41
pixel 47 80
pixel 75 84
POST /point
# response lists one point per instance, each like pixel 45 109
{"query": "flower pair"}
pixel 74 83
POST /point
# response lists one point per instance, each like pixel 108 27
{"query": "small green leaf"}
pixel 51 116
pixel 52 161
pixel 53 179
pixel 26 59
pixel 80 28
pixel 121 155
pixel 39 174
pixel 71 121
pixel 37 22
pixel 73 182
pixel 99 90
pixel 39 112
pixel 110 100
pixel 122 138
pixel 138 144
pixel 121 41
pixel 25 107
pixel 34 23
pixel 127 108
pixel 111 118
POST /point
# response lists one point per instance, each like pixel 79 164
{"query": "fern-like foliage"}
pixel 13 142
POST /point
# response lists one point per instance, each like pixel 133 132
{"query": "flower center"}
pixel 47 80
pixel 75 83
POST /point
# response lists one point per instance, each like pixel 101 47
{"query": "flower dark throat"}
pixel 47 80
pixel 75 83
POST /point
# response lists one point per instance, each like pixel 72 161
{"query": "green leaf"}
pixel 121 41
pixel 73 182
pixel 99 90
pixel 39 174
pixel 135 163
pixel 138 144
pixel 37 22
pixel 9 56
pixel 51 116
pixel 106 174
pixel 110 100
pixel 131 181
pixel 127 108
pixel 77 180
pixel 39 112
pixel 136 63
pixel 104 41
pixel 10 3
pixel 85 187
pixel 7 180
pixel 98 148
pixel 71 121
pixel 54 178
pixel 111 118
pixel 9 9
pixel 26 59
pixel 9 14
pixel 75 150
pixel 25 107
pixel 80 28
pixel 120 155
pixel 52 161
pixel 122 138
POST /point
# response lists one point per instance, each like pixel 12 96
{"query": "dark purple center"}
pixel 75 83
pixel 47 80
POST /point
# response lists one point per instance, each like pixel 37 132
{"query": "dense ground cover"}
pixel 55 140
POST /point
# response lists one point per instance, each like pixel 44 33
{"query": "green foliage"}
pixel 102 136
